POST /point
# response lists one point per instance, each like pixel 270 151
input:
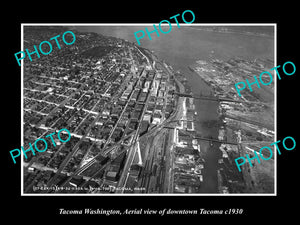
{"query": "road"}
pixel 157 175
pixel 75 148
pixel 132 150
pixel 159 184
pixel 120 117
pixel 94 160
pixel 72 153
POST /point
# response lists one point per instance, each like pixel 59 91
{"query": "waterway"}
pixel 181 48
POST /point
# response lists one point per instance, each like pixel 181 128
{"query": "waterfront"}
pixel 182 48
pixel 206 111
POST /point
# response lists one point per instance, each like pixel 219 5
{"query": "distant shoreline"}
pixel 231 32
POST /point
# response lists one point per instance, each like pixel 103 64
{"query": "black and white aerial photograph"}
pixel 129 113
pixel 148 109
